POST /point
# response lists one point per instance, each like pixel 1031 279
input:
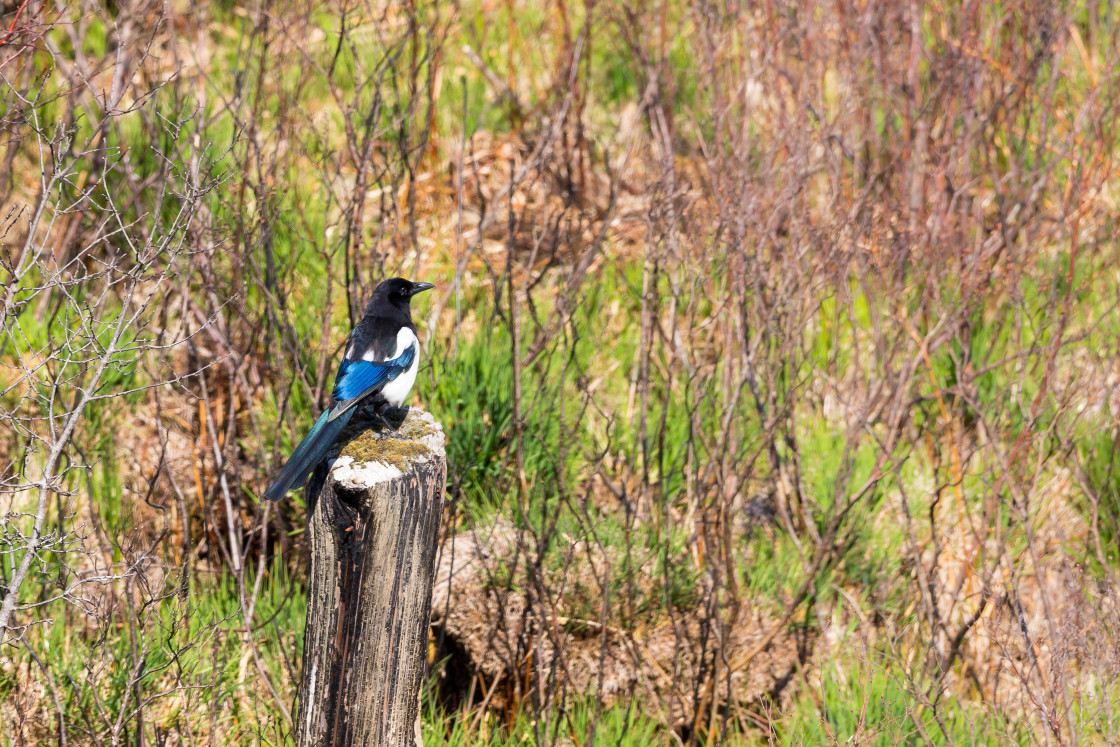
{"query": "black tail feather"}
pixel 308 454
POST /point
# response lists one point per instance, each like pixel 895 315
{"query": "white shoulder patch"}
pixel 404 338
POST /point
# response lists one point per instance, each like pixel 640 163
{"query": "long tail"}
pixel 308 454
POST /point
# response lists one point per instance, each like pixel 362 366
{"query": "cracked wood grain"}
pixel 373 548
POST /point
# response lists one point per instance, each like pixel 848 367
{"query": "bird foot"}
pixel 392 418
pixel 381 416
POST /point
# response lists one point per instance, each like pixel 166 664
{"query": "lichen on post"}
pixel 375 511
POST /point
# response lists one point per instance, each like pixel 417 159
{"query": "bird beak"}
pixel 420 288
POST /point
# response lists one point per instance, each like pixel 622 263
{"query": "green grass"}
pixel 470 387
pixel 622 725
pixel 871 704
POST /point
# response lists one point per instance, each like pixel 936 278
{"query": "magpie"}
pixel 378 368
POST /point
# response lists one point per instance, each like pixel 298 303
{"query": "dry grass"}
pixel 776 348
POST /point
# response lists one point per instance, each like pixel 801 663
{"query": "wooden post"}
pixel 374 521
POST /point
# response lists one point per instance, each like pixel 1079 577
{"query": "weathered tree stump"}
pixel 374 521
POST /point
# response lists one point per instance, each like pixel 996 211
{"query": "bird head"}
pixel 399 291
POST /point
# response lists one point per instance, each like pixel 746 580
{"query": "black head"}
pixel 398 292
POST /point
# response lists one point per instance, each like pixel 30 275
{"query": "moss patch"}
pixel 417 427
pixel 369 442
pixel 395 452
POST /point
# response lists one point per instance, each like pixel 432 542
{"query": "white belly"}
pixel 397 390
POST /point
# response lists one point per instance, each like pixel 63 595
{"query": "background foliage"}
pixel 777 347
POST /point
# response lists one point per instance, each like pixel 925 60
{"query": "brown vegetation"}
pixel 776 347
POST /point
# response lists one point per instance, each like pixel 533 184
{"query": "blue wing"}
pixel 357 379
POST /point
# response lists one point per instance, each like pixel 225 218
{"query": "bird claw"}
pixel 392 418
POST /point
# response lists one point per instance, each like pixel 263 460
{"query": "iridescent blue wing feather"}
pixel 359 379
pixel 356 380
